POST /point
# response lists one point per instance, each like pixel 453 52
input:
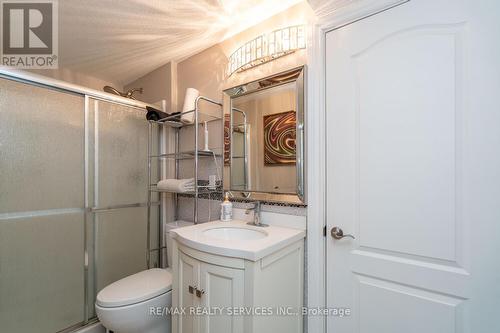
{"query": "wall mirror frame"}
pixel 240 164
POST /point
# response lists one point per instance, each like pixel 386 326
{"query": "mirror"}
pixel 263 138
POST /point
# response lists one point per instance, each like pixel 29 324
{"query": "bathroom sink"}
pixel 234 233
pixel 236 238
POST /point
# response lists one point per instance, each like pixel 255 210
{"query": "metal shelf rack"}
pixel 186 155
pixel 196 154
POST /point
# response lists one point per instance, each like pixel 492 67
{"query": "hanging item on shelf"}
pixel 205 131
pixel 155 114
pixel 190 98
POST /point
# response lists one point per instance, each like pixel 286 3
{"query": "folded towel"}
pixel 176 185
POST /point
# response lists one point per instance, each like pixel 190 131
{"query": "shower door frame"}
pixel 90 95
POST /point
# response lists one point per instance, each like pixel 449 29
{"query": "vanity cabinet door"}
pixel 222 290
pixel 189 277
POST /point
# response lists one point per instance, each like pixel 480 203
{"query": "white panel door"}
pixel 188 270
pixel 413 164
pixel 222 288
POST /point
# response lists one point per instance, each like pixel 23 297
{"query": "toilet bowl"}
pixel 137 303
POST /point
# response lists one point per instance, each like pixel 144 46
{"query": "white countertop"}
pixel 255 249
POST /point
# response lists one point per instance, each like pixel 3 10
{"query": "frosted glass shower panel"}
pixel 41 273
pixel 41 148
pixel 121 154
pixel 121 244
pixel 41 208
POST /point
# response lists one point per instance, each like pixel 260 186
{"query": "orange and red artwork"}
pixel 279 138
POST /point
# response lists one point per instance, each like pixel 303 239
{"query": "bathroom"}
pixel 306 166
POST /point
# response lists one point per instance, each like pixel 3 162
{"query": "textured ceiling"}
pixel 319 5
pixel 323 8
pixel 121 40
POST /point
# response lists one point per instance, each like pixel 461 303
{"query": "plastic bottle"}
pixel 226 209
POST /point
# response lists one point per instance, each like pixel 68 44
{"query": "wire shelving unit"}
pixel 201 188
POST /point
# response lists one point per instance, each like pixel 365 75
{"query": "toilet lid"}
pixel 136 288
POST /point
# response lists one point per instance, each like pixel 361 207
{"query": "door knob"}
pixel 337 233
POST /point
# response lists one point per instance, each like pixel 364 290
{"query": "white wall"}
pixel 75 77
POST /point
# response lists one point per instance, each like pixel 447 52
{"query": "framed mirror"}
pixel 264 139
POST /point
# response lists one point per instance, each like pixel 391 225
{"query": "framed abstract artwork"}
pixel 280 138
pixel 227 139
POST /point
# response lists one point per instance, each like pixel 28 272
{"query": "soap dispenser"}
pixel 226 209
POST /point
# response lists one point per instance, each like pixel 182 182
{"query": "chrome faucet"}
pixel 256 215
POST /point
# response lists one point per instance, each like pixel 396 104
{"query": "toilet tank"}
pixel 169 227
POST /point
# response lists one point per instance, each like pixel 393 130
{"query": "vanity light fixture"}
pixel 266 48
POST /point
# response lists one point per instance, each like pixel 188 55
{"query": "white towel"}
pixel 176 185
pixel 189 105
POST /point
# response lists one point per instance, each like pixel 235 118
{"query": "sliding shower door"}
pixel 41 209
pixel 118 166
pixel 74 182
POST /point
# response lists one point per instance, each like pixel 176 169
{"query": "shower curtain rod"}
pixel 36 79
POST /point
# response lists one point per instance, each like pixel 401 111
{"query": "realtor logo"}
pixel 29 34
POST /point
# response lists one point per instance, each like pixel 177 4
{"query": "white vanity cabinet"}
pixel 202 285
pixel 243 296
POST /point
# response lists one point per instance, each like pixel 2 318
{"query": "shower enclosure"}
pixel 73 200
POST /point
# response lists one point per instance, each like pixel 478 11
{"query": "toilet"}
pixel 130 305
pixel 124 306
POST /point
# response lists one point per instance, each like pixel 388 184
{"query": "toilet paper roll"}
pixel 189 104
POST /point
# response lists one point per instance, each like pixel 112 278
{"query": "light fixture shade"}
pixel 266 48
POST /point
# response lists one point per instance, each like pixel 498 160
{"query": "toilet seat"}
pixel 136 288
